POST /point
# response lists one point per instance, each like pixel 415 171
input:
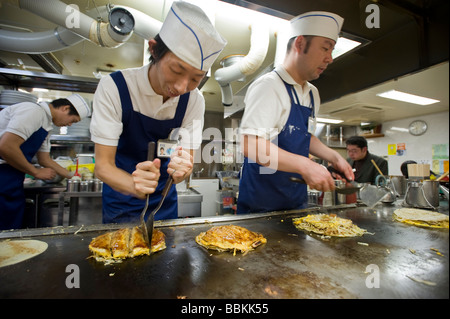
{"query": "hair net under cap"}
pixel 80 104
pixel 190 35
pixel 318 23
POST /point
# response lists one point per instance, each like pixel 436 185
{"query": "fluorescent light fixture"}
pixel 331 121
pixel 399 129
pixel 343 45
pixel 39 90
pixel 406 97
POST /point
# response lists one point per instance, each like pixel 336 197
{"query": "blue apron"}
pixel 138 131
pixel 12 195
pixel 262 189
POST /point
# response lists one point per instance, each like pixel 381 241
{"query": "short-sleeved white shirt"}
pixel 106 123
pixel 23 119
pixel 267 103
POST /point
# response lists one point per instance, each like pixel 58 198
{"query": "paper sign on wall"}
pixel 440 157
pixel 439 151
pixel 392 149
pixel 401 149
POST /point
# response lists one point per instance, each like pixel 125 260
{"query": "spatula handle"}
pixel 151 151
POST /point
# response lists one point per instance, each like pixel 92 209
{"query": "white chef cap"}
pixel 318 23
pixel 190 35
pixel 80 104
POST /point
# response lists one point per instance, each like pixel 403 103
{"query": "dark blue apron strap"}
pixel 181 108
pixel 290 89
pixel 122 87
pixel 313 111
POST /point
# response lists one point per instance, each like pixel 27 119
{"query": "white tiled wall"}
pixel 418 148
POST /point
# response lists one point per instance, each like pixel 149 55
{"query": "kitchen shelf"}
pixel 30 79
pixel 372 135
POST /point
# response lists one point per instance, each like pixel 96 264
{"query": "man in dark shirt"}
pixel 361 160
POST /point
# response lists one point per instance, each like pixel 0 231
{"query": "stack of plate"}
pixel 10 97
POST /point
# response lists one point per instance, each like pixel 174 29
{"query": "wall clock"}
pixel 417 127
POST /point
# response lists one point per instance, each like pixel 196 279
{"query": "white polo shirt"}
pixel 23 119
pixel 267 103
pixel 106 123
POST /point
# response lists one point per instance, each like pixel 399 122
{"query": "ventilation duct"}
pixel 111 34
pixel 38 42
pixel 259 44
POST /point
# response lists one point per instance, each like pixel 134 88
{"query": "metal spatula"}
pixel 340 190
pixel 143 227
pixel 151 217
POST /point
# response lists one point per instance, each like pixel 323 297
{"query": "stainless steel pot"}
pixel 400 183
pixel 422 194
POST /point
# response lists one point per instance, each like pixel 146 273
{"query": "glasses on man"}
pixel 353 150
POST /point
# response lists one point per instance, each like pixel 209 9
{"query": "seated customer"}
pixel 361 160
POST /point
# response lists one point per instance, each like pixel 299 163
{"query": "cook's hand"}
pixel 317 177
pixel 45 173
pixel 146 177
pixel 344 167
pixel 180 166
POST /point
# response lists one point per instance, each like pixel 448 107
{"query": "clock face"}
pixel 418 127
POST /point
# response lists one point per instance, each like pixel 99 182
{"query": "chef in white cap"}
pixel 279 122
pixel 133 107
pixel 24 133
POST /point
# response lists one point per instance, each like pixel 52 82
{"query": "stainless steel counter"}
pixel 292 264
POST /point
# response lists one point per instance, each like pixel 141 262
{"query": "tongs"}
pixel 147 227
pixel 151 217
pixel 142 225
pixel 341 190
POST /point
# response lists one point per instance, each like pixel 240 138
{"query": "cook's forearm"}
pixel 45 160
pixel 116 178
pixel 268 154
pixel 13 155
pixel 317 148
pixel 107 171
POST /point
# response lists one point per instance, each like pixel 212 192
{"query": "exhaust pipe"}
pixel 110 35
pixel 38 42
pixel 61 38
pixel 259 44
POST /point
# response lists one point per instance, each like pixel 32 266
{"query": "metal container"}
pixel 313 197
pixel 422 194
pixel 340 198
pixel 400 183
pixel 97 185
pixel 328 199
pixel 73 185
pixel 84 186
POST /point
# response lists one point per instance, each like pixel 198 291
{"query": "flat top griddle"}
pixel 292 264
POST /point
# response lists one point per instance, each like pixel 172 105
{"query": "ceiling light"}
pixel 399 129
pixel 406 97
pixel 331 121
pixel 39 90
pixel 344 45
